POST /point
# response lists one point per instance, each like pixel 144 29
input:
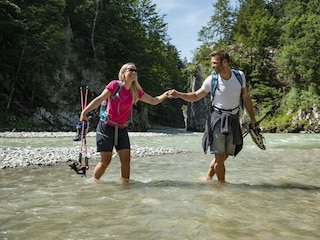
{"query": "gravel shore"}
pixel 11 157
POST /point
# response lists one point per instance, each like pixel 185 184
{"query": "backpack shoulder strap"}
pixel 238 76
pixel 116 92
pixel 105 105
pixel 214 82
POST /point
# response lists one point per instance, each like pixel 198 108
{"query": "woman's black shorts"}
pixel 105 138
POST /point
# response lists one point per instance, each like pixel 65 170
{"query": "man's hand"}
pixel 173 94
pixel 254 124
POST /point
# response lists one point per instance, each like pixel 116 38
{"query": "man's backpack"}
pixel 215 83
pixel 104 107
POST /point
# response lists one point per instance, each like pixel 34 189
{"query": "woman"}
pixel 113 131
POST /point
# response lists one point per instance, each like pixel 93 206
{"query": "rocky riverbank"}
pixel 11 157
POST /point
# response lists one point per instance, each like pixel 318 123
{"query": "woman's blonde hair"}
pixel 135 84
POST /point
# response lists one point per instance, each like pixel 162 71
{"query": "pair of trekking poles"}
pixel 82 130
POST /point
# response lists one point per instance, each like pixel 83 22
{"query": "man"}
pixel 223 133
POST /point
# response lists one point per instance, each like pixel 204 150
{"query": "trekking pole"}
pixel 82 128
pixel 85 125
pixel 85 131
pixel 270 112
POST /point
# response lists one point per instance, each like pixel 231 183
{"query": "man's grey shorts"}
pixel 105 138
pixel 222 143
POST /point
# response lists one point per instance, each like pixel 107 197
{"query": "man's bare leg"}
pixel 217 166
pixel 210 172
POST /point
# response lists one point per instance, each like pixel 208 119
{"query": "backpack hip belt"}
pixel 214 108
pixel 116 129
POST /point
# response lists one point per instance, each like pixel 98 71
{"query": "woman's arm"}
pixel 154 100
pixel 94 104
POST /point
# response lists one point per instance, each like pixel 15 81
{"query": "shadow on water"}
pixel 205 184
pixel 174 183
pixel 284 186
pixel 170 130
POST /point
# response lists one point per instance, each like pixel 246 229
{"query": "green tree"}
pixel 298 56
pixel 256 35
pixel 48 47
pixel 12 35
pixel 39 50
pixel 256 26
pixel 219 28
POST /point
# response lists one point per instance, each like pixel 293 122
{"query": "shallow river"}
pixel 271 194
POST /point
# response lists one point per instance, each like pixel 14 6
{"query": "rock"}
pixel 12 157
pixel 197 112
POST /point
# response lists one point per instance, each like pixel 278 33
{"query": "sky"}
pixel 185 18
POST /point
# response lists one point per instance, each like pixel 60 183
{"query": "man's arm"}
pixel 248 104
pixel 190 96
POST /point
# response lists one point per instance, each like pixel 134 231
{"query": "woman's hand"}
pixel 83 117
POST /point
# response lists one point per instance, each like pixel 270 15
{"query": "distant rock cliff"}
pixel 197 112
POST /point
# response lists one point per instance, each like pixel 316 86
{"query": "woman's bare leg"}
pixel 102 165
pixel 125 157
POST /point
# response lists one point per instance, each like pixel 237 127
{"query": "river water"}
pixel 271 194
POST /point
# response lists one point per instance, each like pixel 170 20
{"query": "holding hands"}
pixel 170 94
pixel 173 93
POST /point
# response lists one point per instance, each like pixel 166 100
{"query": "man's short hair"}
pixel 222 54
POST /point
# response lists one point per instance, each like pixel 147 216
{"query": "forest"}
pixel 49 49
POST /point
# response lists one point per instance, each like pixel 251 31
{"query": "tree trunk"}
pixel 94 27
